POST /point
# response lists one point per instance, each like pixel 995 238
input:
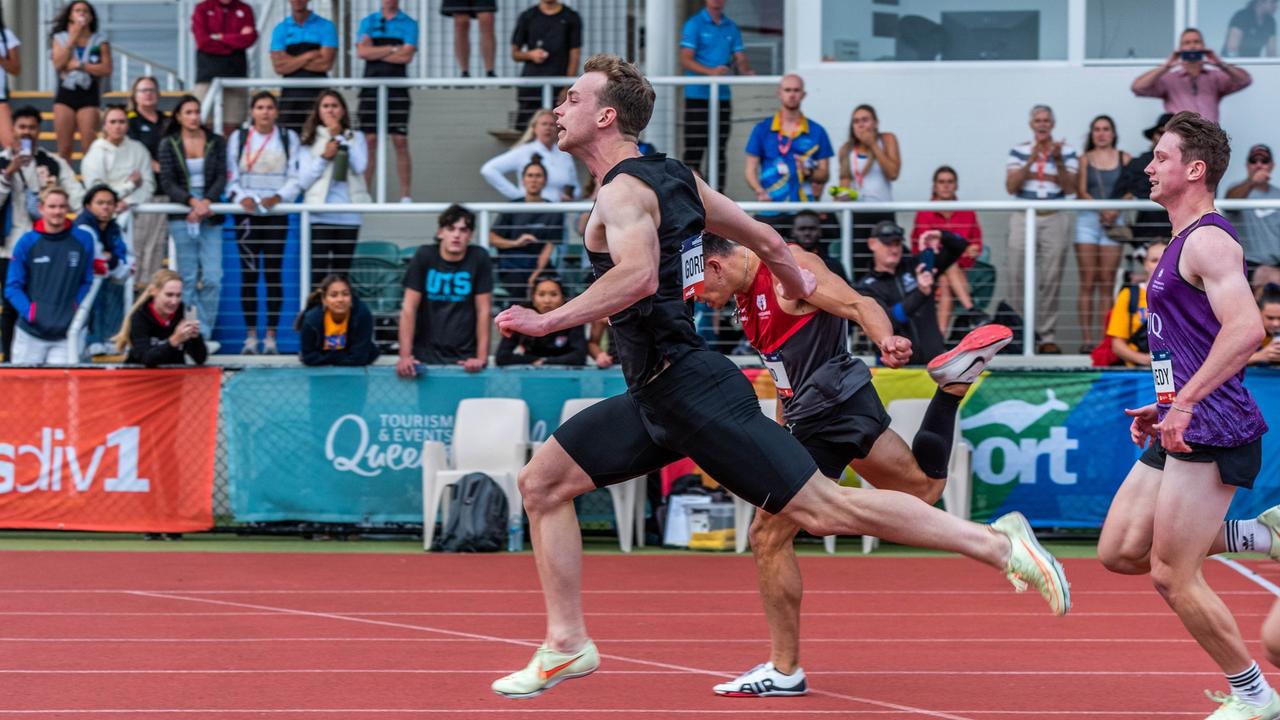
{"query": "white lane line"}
pixel 649 712
pixel 509 591
pixel 1249 574
pixel 533 642
pixel 418 671
pixel 695 671
pixel 542 613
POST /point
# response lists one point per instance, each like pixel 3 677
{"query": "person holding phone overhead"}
pixel 1194 78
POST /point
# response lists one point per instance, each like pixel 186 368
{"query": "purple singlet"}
pixel 1182 327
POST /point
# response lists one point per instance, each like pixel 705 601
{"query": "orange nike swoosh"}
pixel 546 674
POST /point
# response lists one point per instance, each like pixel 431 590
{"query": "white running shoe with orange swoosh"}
pixel 547 669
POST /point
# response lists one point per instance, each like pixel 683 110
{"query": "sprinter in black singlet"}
pixel 645 244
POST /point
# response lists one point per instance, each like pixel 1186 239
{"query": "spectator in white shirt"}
pixel 540 139
pixel 119 162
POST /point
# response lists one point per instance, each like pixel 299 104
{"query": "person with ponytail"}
pixel 159 330
pixel 335 328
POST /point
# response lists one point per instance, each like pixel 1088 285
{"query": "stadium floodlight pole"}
pixel 1029 285
pixel 304 257
pixel 382 144
pixel 846 240
pixel 713 138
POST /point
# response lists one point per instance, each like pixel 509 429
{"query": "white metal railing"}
pixel 124 61
pixel 211 109
pixel 844 211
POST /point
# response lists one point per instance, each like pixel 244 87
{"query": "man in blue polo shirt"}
pixel 710 44
pixel 303 45
pixel 387 42
pixel 788 154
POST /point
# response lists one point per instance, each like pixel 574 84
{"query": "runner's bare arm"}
pixel 1217 262
pixel 725 218
pixel 835 296
pixel 628 209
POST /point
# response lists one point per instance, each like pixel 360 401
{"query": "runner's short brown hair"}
pixel 627 91
pixel 1202 140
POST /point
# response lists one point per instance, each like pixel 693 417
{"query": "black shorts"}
pixel 467 7
pixel 79 97
pixel 397 113
pixel 701 407
pixel 1238 466
pixel 845 433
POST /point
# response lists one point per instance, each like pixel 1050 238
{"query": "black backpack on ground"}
pixel 477 520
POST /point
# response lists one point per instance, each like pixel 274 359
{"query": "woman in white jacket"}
pixel 539 138
pixel 332 171
pixel 119 162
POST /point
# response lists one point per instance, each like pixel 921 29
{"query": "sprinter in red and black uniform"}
pixel 644 238
pixel 829 405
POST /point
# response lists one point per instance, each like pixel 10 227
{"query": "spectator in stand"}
pixel 710 44
pixel 806 231
pixel 1134 184
pixel 1269 306
pixel 49 276
pixel 788 155
pixel 1259 228
pixel 870 161
pixel 331 170
pixel 81 58
pixel 262 163
pixel 120 162
pixel 336 327
pixel 1194 78
pixel 160 330
pixel 952 285
pixel 10 64
pixel 146 125
pixel 525 239
pixel 1098 234
pixel 1041 169
pixel 1127 323
pixel 27 170
pixel 565 347
pixel 111 264
pixel 539 139
pixel 903 284
pixel 548 40
pixel 193 172
pixel 224 31
pixel 303 45
pixel 388 42
pixel 462 12
pixel 448 295
pixel 1252 31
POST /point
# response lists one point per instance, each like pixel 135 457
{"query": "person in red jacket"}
pixel 224 31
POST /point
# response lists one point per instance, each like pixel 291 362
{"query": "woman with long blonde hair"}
pixel 159 329
pixel 539 138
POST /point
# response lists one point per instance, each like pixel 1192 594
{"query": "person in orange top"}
pixel 1127 327
pixel 953 284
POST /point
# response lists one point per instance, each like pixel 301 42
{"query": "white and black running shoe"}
pixel 764 681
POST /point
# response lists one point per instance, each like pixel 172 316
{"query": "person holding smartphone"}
pixel 159 329
pixel 903 284
pixel 1194 78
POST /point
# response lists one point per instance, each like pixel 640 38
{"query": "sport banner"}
pixel 123 450
pixel 344 445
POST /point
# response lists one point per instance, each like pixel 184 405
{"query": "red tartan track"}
pixel 185 635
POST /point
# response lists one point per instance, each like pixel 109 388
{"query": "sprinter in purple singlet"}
pixel 1204 428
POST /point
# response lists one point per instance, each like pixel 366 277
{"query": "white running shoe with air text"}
pixel 764 681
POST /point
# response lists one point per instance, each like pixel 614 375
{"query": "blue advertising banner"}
pixel 1055 445
pixel 344 444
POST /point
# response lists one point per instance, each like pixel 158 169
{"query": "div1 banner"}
pixel 121 450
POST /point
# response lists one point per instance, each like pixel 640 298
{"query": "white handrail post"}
pixel 1029 285
pixel 216 87
pixel 713 137
pixel 382 144
pixel 546 97
pixel 304 257
pixel 124 70
pixel 483 224
pixel 846 241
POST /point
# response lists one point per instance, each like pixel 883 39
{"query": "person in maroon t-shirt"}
pixel 224 31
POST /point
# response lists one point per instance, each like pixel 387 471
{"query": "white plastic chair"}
pixel 628 497
pixel 905 417
pixel 490 435
pixel 744 511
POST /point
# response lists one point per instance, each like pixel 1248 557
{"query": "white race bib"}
pixel 691 266
pixel 773 361
pixel 1162 375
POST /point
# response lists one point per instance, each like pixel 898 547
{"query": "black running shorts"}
pixel 467 7
pixel 398 105
pixel 1237 466
pixel 702 407
pixel 843 433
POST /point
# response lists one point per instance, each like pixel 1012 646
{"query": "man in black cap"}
pixel 1134 184
pixel 1259 228
pixel 903 284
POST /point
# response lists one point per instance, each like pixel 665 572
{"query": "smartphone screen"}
pixel 26 146
pixel 1192 55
